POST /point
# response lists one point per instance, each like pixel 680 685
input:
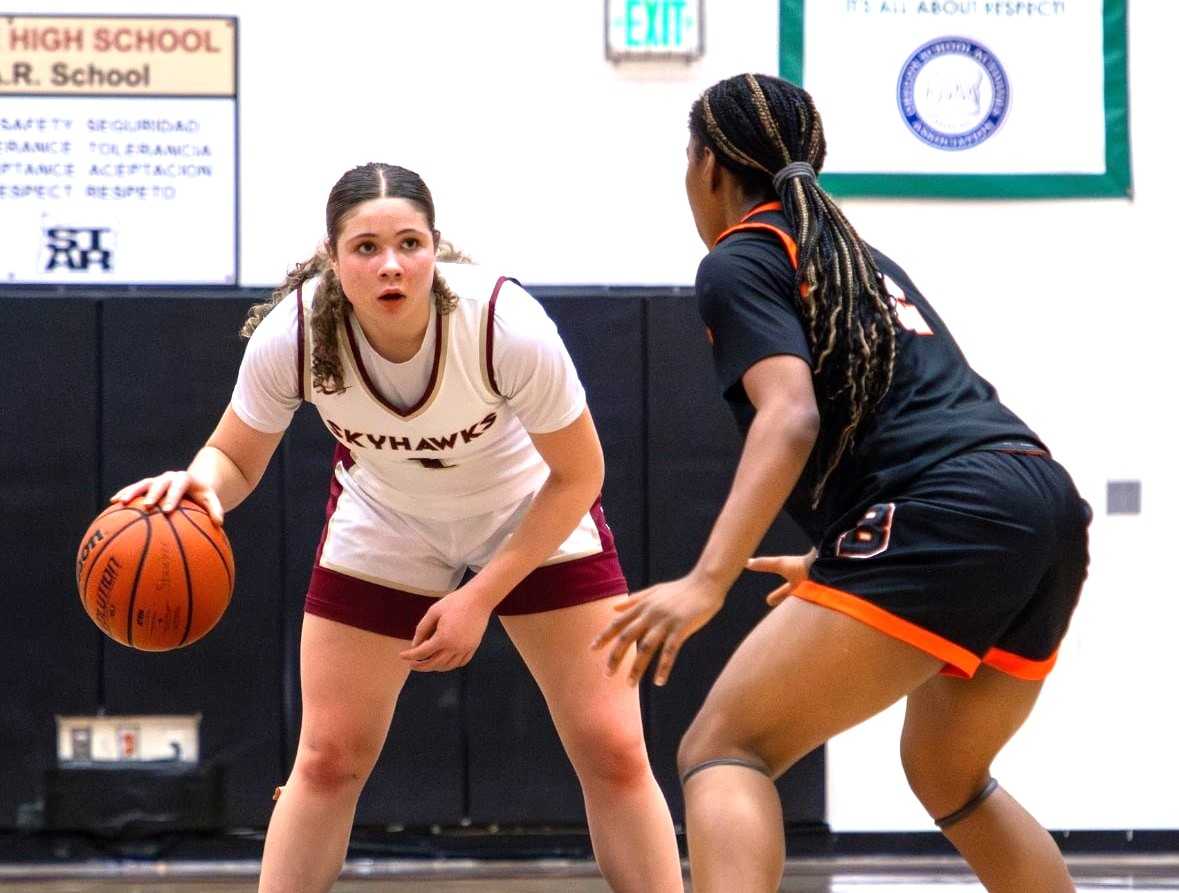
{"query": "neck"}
pixel 400 342
pixel 734 204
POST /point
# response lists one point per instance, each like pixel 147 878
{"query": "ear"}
pixel 711 169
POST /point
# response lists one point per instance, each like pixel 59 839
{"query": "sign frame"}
pixel 1115 182
pixel 615 55
pixel 232 280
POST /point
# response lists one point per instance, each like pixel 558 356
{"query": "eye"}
pixel 366 247
pixel 410 243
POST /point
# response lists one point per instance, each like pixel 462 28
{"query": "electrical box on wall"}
pixel 114 740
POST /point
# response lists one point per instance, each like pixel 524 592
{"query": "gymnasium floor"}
pixel 1092 874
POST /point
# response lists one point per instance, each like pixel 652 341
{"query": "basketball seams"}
pixel 135 583
pixel 229 574
pixel 187 580
pixel 110 539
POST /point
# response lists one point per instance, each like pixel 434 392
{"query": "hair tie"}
pixel 791 171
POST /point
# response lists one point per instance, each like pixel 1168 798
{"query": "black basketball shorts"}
pixel 978 561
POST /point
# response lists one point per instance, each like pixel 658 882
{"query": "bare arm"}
pixel 222 474
pixel 451 629
pixel 776 450
pixel 576 472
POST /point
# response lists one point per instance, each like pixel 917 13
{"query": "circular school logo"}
pixel 953 93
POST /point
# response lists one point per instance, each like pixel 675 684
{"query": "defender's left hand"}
pixel 661 617
pixel 446 638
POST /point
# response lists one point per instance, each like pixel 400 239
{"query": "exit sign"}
pixel 654 29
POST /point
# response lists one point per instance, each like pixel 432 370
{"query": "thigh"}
pixel 804 674
pixel 582 699
pixel 954 728
pixel 351 679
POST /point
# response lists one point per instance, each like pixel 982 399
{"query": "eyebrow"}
pixel 408 229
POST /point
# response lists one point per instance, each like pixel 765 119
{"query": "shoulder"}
pixel 470 283
pixel 478 286
pixel 742 255
pixel 283 320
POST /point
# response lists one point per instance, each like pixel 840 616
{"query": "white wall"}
pixel 544 158
pixel 550 162
pixel 1069 309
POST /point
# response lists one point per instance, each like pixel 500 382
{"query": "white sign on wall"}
pixel 118 150
pixel 965 97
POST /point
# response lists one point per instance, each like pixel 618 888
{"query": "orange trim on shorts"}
pixel 1020 667
pixel 961 662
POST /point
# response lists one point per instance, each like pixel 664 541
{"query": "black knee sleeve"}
pixel 756 766
pixel 971 805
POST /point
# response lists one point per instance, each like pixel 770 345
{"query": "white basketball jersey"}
pixel 460 451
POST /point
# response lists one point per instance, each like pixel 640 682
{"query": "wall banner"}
pixel 118 150
pixel 965 98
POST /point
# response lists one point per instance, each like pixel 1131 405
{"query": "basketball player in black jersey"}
pixel 950 547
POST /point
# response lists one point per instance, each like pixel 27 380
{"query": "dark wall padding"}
pixel 48 469
pixel 168 371
pixel 106 389
pixel 518 771
pixel 694 448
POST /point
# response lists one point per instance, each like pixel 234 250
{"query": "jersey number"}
pixel 870 536
pixel 907 313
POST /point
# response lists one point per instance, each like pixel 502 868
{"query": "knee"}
pixel 609 752
pixel 711 737
pixel 939 780
pixel 332 767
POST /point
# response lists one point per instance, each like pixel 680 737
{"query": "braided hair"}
pixel 756 125
pixel 330 306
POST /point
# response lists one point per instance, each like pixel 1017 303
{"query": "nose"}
pixel 390 265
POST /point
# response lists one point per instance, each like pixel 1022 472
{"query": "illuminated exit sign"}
pixel 654 29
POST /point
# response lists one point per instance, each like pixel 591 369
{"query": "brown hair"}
pixel 330 307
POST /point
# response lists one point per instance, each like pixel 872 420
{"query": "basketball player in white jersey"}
pixel 464 444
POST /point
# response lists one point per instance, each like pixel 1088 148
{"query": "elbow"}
pixel 798 426
pixel 585 477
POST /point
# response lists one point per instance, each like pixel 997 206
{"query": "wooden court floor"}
pixel 852 875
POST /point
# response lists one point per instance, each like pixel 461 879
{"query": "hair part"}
pixel 330 306
pixel 755 125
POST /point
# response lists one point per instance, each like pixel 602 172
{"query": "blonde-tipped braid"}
pixel 757 126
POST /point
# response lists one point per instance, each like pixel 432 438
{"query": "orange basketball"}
pixel 155 581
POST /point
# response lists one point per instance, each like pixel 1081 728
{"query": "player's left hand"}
pixel 446 638
pixel 661 617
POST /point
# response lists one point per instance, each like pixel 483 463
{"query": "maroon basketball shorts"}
pixel 380 570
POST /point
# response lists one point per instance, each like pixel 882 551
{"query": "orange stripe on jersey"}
pixel 1019 667
pixel 959 659
pixel 784 237
pixel 761 209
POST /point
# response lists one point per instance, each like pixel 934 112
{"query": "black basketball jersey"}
pixel 936 407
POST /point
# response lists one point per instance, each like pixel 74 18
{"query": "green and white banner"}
pixel 966 98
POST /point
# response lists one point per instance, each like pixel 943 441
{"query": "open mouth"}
pixel 392 294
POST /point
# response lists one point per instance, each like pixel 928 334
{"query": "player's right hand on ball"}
pixel 168 488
